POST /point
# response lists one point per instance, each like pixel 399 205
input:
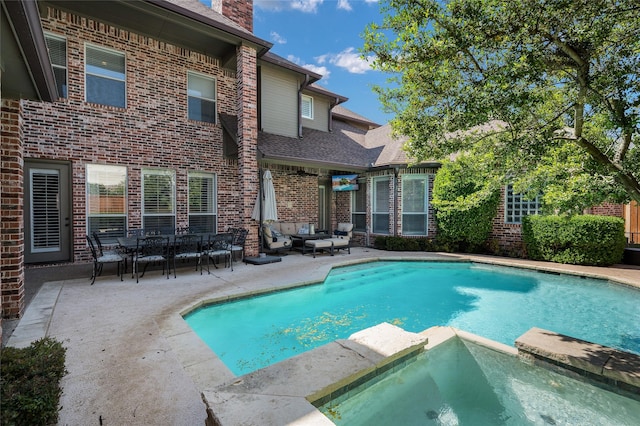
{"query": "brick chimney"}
pixel 239 11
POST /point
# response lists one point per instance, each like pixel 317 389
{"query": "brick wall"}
pixel 12 225
pixel 297 195
pixel 607 209
pixel 153 130
pixel 239 11
pixel 247 107
pixel 506 237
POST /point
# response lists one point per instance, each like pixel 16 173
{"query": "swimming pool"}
pixel 499 303
pixel 459 382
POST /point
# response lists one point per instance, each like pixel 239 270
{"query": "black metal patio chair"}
pixel 239 240
pixel 100 259
pixel 219 245
pixel 151 249
pixel 186 247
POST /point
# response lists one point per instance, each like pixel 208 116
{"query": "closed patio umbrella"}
pixel 267 199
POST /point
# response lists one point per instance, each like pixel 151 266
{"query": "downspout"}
pixel 302 87
pixel 396 171
pixel 331 114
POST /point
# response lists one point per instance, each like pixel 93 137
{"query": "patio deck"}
pixel 130 359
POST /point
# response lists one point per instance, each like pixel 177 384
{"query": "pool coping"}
pixel 614 369
pixel 225 406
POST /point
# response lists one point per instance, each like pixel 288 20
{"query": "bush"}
pixel 412 244
pixel 465 203
pixel 30 383
pixel 578 240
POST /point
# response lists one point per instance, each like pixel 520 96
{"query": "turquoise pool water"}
pixel 461 383
pixel 499 303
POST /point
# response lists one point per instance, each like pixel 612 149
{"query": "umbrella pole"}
pixel 261 193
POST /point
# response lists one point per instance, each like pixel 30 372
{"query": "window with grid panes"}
pixel 415 204
pixel 105 77
pixel 516 206
pixel 307 107
pixel 57 47
pixel 201 94
pixel 359 207
pixel 106 201
pixel 159 200
pixel 202 202
pixel 380 207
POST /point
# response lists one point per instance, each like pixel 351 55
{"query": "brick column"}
pixel 11 211
pixel 247 110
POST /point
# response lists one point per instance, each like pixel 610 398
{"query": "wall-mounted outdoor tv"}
pixel 344 182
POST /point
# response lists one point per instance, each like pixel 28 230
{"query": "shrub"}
pixel 578 240
pixel 30 383
pixel 465 203
pixel 412 244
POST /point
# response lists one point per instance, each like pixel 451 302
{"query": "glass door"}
pixel 47 212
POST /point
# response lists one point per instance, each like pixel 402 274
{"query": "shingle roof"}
pixel 391 148
pixel 342 148
pixel 285 63
pixel 341 112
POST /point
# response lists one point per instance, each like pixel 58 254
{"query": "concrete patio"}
pixel 132 361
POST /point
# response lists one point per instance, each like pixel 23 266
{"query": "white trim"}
pixel 425 212
pixel 309 99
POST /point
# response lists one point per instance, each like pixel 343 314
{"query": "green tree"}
pixel 465 202
pixel 551 88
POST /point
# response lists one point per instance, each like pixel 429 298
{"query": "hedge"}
pixel 465 203
pixel 578 240
pixel 30 383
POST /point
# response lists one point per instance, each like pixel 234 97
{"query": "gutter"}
pixel 331 105
pixel 25 21
pixel 243 34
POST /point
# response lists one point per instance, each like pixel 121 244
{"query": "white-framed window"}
pixel 380 205
pixel 201 93
pixel 202 202
pixel 159 200
pixel 105 77
pixel 106 201
pixel 516 206
pixel 307 107
pixel 57 47
pixel 415 204
pixel 359 207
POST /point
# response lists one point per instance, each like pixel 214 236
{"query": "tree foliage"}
pixel 465 202
pixel 553 83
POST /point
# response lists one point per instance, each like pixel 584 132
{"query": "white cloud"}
pixel 293 59
pixel 348 59
pixel 307 6
pixel 323 71
pixel 277 38
pixel 344 5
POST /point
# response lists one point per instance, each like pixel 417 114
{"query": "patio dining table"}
pixel 130 244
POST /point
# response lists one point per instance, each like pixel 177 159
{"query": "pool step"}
pixel 617 369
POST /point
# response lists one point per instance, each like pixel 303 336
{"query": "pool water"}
pixel 499 303
pixel 461 383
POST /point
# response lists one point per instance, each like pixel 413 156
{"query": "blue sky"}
pixel 324 36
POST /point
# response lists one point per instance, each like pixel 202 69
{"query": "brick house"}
pixel 167 113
